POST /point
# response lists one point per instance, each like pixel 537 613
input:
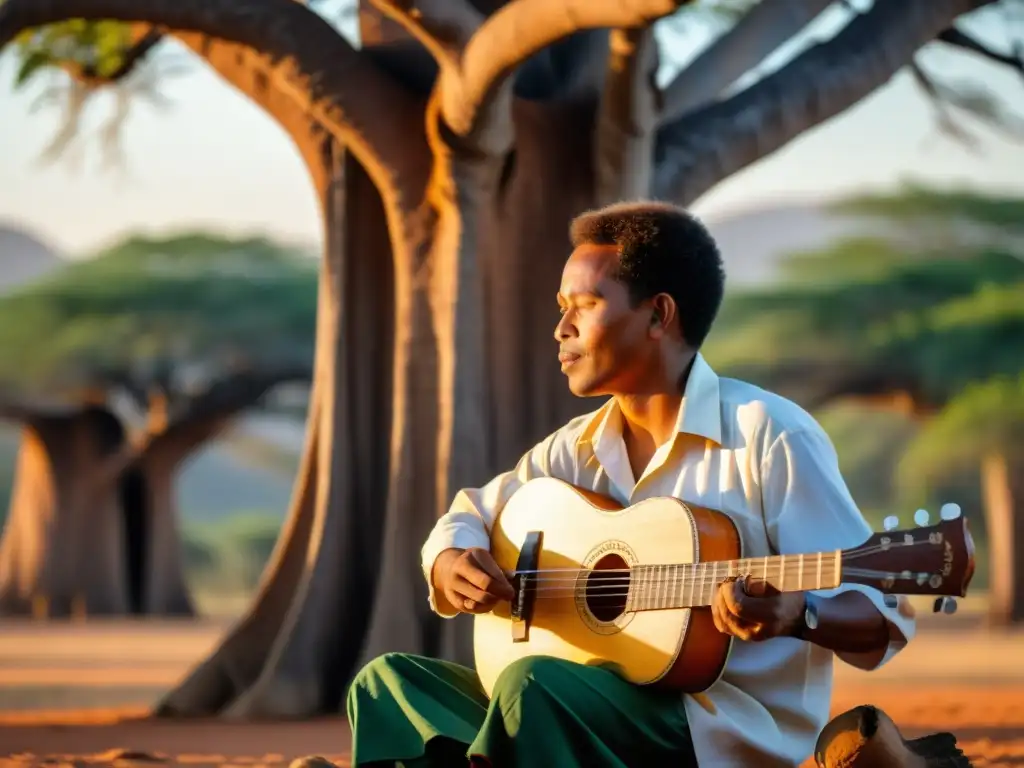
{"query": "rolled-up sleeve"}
pixel 808 508
pixel 473 511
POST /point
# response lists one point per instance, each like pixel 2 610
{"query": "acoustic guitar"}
pixel 631 588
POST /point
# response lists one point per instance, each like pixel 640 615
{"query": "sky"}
pixel 211 159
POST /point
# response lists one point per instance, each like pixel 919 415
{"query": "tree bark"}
pixel 1003 489
pixel 292 652
pixel 73 546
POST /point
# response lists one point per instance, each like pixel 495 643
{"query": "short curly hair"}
pixel 662 249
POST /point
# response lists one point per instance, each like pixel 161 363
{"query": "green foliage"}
pixel 153 306
pixel 953 344
pixel 988 416
pixel 869 443
pixel 936 320
pixel 915 203
pixel 10 439
pixel 96 47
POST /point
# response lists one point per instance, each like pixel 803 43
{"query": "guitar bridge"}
pixel 525 585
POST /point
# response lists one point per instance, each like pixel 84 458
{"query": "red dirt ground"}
pixel 954 677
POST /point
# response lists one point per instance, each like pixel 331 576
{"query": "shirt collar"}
pixel 700 411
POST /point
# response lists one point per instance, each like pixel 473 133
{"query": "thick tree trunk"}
pixel 293 651
pixel 74 544
pixel 1003 488
pixel 519 228
pixel 345 583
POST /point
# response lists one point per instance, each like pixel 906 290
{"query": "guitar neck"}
pixel 658 587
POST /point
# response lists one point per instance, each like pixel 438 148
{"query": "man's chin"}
pixel 580 387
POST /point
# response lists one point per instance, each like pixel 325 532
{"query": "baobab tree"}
pixel 448 154
pixel 933 333
pixel 188 332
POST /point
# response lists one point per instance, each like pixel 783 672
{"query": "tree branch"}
pixel 754 37
pixel 627 117
pixel 955 37
pixel 699 150
pixel 444 27
pixel 946 121
pixel 306 58
pixel 233 393
pixel 475 97
pixel 201 418
pixel 22 409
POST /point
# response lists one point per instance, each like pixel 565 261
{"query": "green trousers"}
pixel 413 711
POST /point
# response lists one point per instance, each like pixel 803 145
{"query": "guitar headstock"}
pixel 927 560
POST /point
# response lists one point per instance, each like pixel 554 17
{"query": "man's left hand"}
pixel 747 611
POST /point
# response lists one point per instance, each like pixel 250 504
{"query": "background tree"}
pixel 186 332
pixel 935 333
pixel 448 155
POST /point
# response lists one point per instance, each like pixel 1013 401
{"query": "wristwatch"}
pixel 809 619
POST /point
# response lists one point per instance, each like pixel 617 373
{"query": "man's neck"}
pixel 652 413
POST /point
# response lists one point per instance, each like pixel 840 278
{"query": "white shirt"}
pixel 769 466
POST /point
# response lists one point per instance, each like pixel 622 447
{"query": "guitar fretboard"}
pixel 654 587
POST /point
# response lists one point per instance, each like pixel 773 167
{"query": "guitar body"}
pixel 580 616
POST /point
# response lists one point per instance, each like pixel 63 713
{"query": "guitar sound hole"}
pixel 607 585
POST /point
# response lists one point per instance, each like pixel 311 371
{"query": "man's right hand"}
pixel 470 580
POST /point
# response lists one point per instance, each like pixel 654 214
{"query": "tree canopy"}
pixel 175 312
pixel 868 317
pixel 939 329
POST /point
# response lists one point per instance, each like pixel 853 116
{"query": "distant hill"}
pixel 755 241
pixel 23 257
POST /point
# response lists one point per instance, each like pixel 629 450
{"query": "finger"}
pixel 470 606
pixel 469 591
pixel 740 604
pixel 499 584
pixel 470 572
pixel 719 611
pixel 735 609
pixel 716 616
pixel 737 627
pixel 732 595
pixel 758 587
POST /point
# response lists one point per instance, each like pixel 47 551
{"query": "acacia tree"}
pixel 189 331
pixel 448 155
pixel 935 334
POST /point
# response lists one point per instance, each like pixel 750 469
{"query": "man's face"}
pixel 604 345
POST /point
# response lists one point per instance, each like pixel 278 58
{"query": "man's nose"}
pixel 564 329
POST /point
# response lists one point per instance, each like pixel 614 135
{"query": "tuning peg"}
pixel 921 517
pixel 891 523
pixel 891 601
pixel 949 511
pixel 945 605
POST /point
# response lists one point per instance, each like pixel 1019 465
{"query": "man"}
pixel 638 296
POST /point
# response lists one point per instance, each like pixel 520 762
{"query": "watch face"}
pixel 811 614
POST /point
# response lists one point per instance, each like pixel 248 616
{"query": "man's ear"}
pixel 663 314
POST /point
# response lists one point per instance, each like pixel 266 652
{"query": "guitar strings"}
pixel 696 576
pixel 648 589
pixel 629 574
